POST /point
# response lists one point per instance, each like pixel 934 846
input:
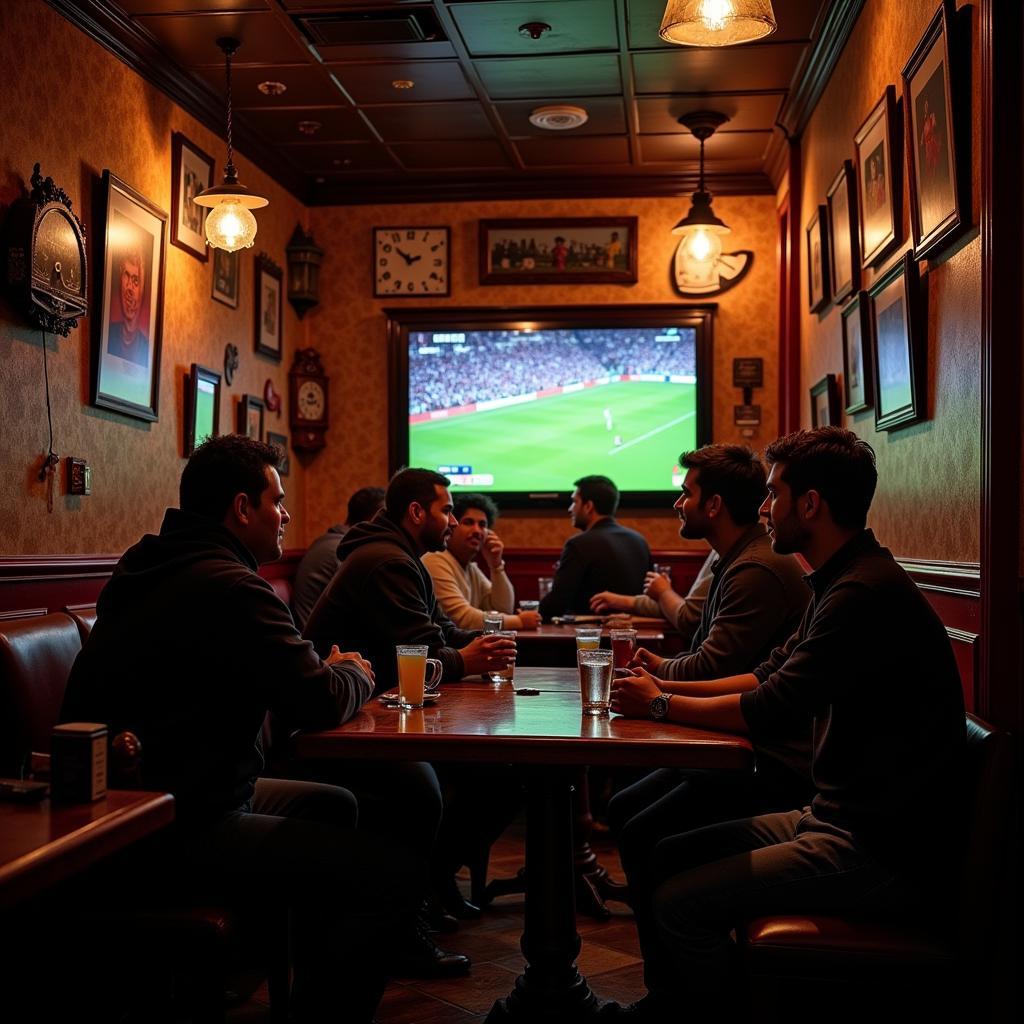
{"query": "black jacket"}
pixel 382 595
pixel 190 650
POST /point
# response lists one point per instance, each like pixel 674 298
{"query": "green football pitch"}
pixel 546 444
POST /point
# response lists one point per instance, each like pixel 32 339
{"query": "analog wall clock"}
pixel 410 262
pixel 307 385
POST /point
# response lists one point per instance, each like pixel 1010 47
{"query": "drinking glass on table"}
pixel 508 672
pixel 623 646
pixel 412 674
pixel 588 638
pixel 596 681
pixel 529 606
pixel 493 621
pixel 544 585
pixel 664 568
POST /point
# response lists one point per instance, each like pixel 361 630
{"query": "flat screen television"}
pixel 520 402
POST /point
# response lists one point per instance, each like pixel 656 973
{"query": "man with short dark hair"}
pixel 190 650
pixel 605 556
pixel 320 562
pixel 887 749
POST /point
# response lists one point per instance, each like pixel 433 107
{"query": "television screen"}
pixel 523 409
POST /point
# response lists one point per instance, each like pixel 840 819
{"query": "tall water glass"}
pixel 493 621
pixel 508 672
pixel 596 682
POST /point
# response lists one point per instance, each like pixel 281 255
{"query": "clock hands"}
pixel 409 260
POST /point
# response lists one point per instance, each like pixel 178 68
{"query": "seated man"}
pixel 320 562
pixel 888 742
pixel 462 590
pixel 605 556
pixel 190 650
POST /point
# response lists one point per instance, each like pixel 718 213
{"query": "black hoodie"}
pixel 190 650
pixel 382 595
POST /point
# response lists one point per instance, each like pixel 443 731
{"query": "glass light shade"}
pixel 230 226
pixel 702 245
pixel 716 22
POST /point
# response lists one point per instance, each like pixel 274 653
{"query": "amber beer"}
pixel 623 646
pixel 412 671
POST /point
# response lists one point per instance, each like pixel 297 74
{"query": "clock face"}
pixel 312 401
pixel 411 261
pixel 57 262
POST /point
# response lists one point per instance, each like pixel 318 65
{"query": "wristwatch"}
pixel 659 707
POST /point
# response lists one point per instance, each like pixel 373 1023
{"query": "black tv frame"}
pixel 400 321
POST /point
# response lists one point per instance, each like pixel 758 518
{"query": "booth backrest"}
pixel 85 619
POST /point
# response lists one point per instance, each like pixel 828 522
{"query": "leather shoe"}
pixel 419 956
pixel 437 918
pixel 453 902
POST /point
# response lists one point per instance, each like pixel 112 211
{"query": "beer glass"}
pixel 412 672
pixel 623 646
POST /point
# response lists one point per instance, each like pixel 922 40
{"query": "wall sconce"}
pixel 716 22
pixel 304 259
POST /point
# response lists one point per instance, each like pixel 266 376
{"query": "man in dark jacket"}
pixel 190 650
pixel 605 556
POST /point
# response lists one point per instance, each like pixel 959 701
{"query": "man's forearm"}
pixel 722 713
pixel 711 687
pixel 670 602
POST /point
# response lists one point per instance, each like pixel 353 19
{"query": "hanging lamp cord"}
pixel 229 171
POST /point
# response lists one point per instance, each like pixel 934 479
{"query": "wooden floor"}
pixel 610 957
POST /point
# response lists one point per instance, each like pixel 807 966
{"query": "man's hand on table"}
pixel 606 601
pixel 645 659
pixel 336 655
pixel 487 653
pixel 632 695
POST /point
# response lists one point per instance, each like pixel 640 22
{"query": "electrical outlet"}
pixel 79 476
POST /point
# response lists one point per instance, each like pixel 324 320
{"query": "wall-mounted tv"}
pixel 520 402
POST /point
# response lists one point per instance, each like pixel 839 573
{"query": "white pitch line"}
pixel 651 433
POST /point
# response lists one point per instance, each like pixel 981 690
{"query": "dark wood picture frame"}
pixel 550 254
pixel 817 261
pixel 226 278
pixel 936 165
pixel 879 178
pixel 249 406
pixel 899 346
pixel 198 382
pixel 858 383
pixel 843 238
pixel 825 402
pixel 268 327
pixel 281 441
pixel 191 173
pixel 126 378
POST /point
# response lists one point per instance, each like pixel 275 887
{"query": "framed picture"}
pixel 126 352
pixel 900 347
pixel 226 277
pixel 281 441
pixel 817 261
pixel 268 307
pixel 250 417
pixel 202 406
pixel 825 402
pixel 878 175
pixel 937 185
pixel 857 383
pixel 844 252
pixel 598 250
pixel 191 173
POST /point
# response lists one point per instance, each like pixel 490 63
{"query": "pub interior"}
pixel 367 124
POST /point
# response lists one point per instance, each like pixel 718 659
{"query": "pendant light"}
pixel 230 224
pixel 701 227
pixel 716 22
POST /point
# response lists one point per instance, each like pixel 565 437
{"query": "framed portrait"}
pixel 857 383
pixel 191 173
pixel 596 250
pixel 250 417
pixel 268 307
pixel 937 176
pixel 844 252
pixel 825 402
pixel 900 347
pixel 817 261
pixel 281 441
pixel 879 183
pixel 226 277
pixel 126 350
pixel 202 406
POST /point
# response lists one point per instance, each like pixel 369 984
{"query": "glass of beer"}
pixel 623 646
pixel 596 681
pixel 508 672
pixel 412 674
pixel 493 621
pixel 588 638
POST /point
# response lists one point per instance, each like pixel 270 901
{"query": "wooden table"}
pixel 556 645
pixel 547 734
pixel 42 843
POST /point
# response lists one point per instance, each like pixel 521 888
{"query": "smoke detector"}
pixel 558 117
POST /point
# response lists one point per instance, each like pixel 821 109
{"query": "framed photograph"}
pixel 202 406
pixel 825 402
pixel 226 277
pixel 844 252
pixel 937 176
pixel 250 417
pixel 879 181
pixel 900 347
pixel 126 352
pixel 268 307
pixel 191 173
pixel 817 261
pixel 857 383
pixel 596 250
pixel 281 441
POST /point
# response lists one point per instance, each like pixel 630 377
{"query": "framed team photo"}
pixel 191 173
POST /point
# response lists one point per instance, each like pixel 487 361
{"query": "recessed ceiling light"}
pixel 270 88
pixel 557 117
pixel 310 127
pixel 402 83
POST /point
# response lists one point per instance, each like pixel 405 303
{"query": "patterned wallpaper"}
pixel 927 504
pixel 116 121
